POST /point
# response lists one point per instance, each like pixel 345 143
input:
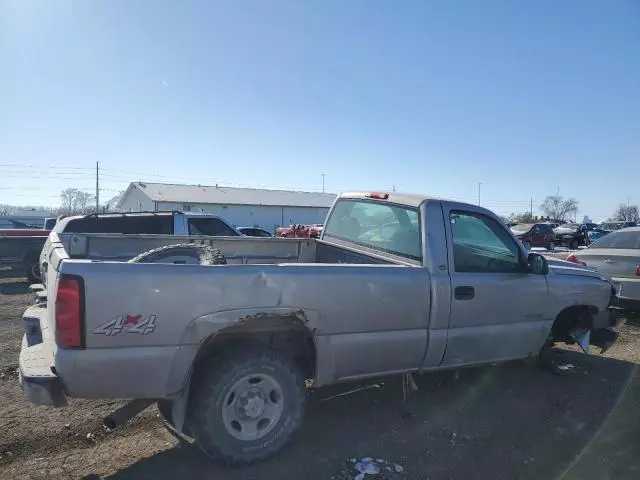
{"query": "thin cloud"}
pixel 164 84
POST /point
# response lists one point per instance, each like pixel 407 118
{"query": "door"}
pixel 538 238
pixel 497 308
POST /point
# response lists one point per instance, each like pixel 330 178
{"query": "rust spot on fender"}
pixel 266 319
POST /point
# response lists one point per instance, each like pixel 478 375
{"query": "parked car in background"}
pixel 617 225
pixel 617 255
pixel 22 252
pixel 254 232
pixel 49 223
pixel 534 235
pixel 589 226
pixel 595 234
pixel 8 223
pixel 570 235
pixel 300 231
pixel 20 249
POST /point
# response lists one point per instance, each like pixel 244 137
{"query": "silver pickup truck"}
pixel 228 339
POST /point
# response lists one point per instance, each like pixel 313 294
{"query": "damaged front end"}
pixel 586 327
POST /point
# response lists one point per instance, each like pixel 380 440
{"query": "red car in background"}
pixel 535 235
pixel 299 231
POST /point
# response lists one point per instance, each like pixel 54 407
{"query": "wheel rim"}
pixel 252 407
pixel 35 271
pixel 551 246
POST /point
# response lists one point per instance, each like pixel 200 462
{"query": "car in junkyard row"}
pixel 535 235
pixel 616 255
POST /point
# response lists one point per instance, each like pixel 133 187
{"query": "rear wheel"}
pixel 246 404
pixel 32 268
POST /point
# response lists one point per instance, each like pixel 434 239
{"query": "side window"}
pixel 537 229
pixel 211 227
pixel 480 244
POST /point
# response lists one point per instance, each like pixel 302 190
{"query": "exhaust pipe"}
pixel 126 413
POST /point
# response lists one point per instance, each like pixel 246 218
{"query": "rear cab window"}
pixel 125 224
pixel 383 227
pixel 213 227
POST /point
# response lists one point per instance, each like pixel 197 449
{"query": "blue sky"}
pixel 430 96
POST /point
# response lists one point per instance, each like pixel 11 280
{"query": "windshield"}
pixel 619 239
pixel 385 227
pixel 524 228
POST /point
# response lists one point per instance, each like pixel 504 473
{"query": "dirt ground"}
pixel 512 421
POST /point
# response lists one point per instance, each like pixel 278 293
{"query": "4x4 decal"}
pixel 135 324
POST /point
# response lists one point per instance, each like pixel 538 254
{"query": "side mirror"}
pixel 537 264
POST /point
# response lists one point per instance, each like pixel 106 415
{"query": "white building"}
pixel 243 207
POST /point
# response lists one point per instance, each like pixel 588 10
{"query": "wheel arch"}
pixel 275 327
pixel 572 316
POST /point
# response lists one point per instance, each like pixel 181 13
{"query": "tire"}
pixel 246 404
pixel 32 268
pixel 191 253
pixel 573 244
pixel 551 246
pixel 165 408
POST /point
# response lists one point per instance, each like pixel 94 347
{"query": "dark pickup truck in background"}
pixel 20 248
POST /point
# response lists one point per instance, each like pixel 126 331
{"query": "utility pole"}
pixel 479 184
pixel 97 188
pixel 394 188
pixel 323 174
pixel 531 208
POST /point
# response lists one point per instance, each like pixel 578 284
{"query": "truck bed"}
pixel 236 250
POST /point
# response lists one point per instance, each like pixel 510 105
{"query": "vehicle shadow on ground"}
pixel 17 287
pixel 509 421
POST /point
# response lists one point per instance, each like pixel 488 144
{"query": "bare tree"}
pixel 525 217
pixel 7 210
pixel 558 208
pixel 76 201
pixel 627 213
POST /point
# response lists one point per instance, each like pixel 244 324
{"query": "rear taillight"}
pixel 572 258
pixel 69 313
pixel 638 270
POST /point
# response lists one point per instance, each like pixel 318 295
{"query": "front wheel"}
pixel 246 405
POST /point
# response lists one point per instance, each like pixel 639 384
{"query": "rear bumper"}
pixel 627 294
pixel 37 380
pixel 43 390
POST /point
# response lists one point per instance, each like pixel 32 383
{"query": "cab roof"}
pixel 409 199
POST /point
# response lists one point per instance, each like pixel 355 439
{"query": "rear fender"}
pixel 203 329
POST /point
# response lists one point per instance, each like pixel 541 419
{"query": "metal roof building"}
pixel 262 208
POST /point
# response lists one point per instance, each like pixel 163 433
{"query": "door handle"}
pixel 464 293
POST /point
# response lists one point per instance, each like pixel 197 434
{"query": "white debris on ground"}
pixel 369 468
